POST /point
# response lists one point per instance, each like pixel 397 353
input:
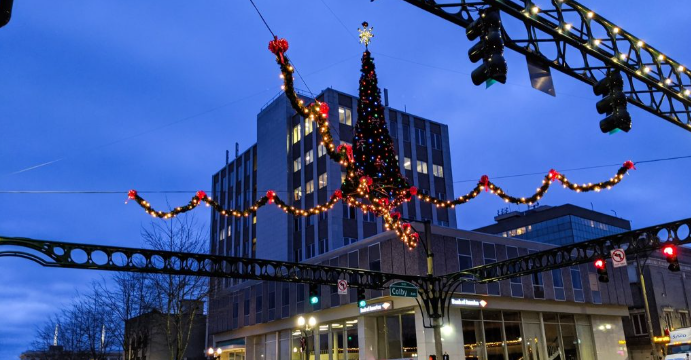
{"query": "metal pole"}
pixel 436 322
pixel 647 308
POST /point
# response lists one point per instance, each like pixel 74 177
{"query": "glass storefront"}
pixel 336 341
pixel 396 338
pixel 513 335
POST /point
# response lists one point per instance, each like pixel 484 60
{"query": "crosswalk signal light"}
pixel 489 49
pixel 613 103
pixel 670 252
pixel 314 294
pixel 361 302
pixel 601 267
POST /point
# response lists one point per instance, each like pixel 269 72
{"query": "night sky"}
pixel 115 95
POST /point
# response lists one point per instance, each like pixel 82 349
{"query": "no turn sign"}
pixel 342 287
pixel 618 258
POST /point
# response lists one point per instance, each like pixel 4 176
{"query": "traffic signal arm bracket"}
pixel 585 45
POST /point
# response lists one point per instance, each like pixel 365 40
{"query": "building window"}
pixel 309 157
pixel 406 133
pixel 297 193
pixel 577 284
pixel 594 285
pixel 640 326
pixel 248 169
pixel 516 282
pixel 407 164
pixel 309 221
pixel 438 170
pixel 349 240
pixel 345 116
pixel 683 319
pixel 323 245
pixel 348 211
pixel 443 223
pixel 321 150
pixel 441 196
pixel 393 128
pixel 374 257
pixel 297 222
pixel 309 126
pixel 421 167
pixel 297 133
pixel 297 164
pixel 669 325
pixel 297 255
pixel 323 215
pixel 420 137
pixel 465 261
pixel 436 141
pixel 489 252
pixel 259 305
pixel 322 180
pixel 343 176
pixel 309 187
pixel 309 251
pixel 370 217
pixel 558 280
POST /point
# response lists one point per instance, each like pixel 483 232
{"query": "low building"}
pixel 560 314
pixel 57 352
pixel 149 339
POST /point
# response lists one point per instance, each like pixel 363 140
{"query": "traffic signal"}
pixel 670 252
pixel 601 267
pixel 613 103
pixel 361 303
pixel 5 11
pixel 314 294
pixel 433 357
pixel 445 356
pixel 490 48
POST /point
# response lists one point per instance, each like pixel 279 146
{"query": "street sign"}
pixel 618 258
pixel 403 289
pixel 342 287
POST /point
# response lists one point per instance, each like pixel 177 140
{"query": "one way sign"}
pixel 618 258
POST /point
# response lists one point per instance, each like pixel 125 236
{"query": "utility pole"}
pixel 436 322
pixel 648 319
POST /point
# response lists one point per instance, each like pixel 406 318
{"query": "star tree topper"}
pixel 365 33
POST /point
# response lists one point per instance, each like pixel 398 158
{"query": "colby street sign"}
pixel 403 289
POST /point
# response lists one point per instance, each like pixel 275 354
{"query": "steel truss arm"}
pixel 574 40
pixel 97 257
pixel 635 242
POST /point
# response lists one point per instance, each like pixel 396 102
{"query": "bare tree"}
pixel 179 298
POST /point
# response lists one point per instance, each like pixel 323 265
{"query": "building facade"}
pixel 561 314
pixel 557 225
pixel 149 336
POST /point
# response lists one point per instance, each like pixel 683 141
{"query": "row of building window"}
pixel 309 187
pixel 309 158
pixel 421 168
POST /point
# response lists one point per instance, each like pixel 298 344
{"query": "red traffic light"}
pixel 600 264
pixel 669 250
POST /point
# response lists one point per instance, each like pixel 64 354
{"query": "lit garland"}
pixel 373 180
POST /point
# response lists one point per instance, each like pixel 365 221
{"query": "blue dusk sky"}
pixel 147 95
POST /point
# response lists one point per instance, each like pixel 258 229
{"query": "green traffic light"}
pixel 362 303
pixel 314 300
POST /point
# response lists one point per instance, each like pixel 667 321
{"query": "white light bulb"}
pixel 640 43
pixel 535 10
pixel 590 14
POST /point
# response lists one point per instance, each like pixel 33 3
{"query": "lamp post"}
pixel 305 327
pixel 214 355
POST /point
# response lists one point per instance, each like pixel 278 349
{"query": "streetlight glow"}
pixel 301 321
pixel 312 321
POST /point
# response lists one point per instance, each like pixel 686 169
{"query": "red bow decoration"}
pixel 413 190
pixel 384 202
pixel 131 195
pixel 348 151
pixel 270 194
pixel 338 194
pixel 201 194
pixel 629 165
pixel 278 47
pixel 415 237
pixel 405 227
pixel 367 181
pixel 484 181
pixel 324 108
pixel 396 216
pixel 553 175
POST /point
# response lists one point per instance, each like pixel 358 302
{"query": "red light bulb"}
pixel 669 250
pixel 600 264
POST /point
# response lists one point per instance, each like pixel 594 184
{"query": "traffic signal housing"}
pixel 5 12
pixel 489 49
pixel 670 252
pixel 601 267
pixel 361 302
pixel 433 357
pixel 613 103
pixel 314 294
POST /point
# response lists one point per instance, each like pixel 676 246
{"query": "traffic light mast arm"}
pixel 640 241
pixel 112 258
pixel 584 45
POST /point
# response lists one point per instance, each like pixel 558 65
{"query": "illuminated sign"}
pixel 382 306
pixel 661 339
pixel 468 302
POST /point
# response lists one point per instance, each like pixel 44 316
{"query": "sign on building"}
pixel 618 257
pixel 403 289
pixel 377 307
pixel 342 287
pixel 468 302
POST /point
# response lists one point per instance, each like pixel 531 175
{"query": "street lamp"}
pixel 306 327
pixel 214 355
